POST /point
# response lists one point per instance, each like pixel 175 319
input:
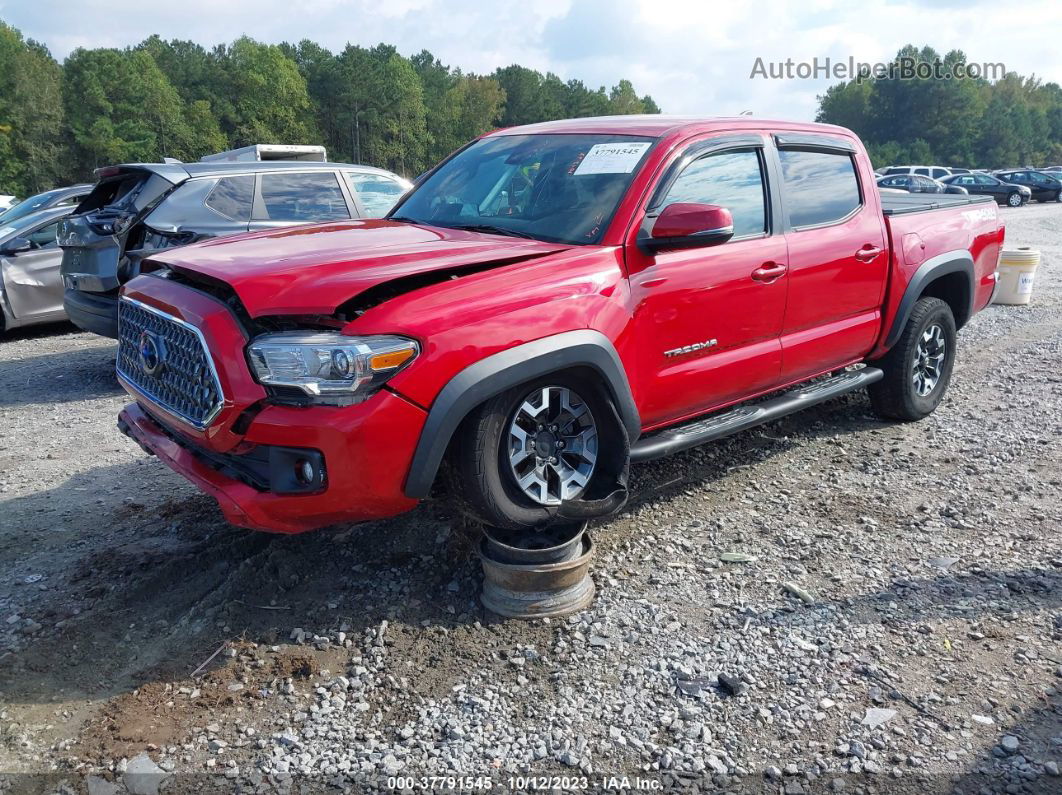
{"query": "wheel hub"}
pixel 545 444
pixel 552 445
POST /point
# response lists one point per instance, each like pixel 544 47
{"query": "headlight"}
pixel 327 367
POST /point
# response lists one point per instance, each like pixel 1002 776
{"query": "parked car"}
pixel 7 200
pixel 137 210
pixel 60 197
pixel 31 288
pixel 1043 186
pixel 987 185
pixel 936 172
pixel 914 183
pixel 546 305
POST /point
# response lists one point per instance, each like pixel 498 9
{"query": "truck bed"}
pixel 900 204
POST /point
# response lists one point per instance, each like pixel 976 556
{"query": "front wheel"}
pixel 522 454
pixel 918 367
pixel 1014 200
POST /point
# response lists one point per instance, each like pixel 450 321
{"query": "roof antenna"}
pixel 745 113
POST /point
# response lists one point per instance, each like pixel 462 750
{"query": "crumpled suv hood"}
pixel 314 269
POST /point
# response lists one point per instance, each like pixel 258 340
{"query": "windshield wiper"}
pixel 496 230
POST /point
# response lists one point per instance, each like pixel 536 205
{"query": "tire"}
pixel 900 395
pixel 483 482
pixel 1014 199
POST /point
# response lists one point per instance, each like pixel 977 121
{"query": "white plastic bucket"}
pixel 1017 269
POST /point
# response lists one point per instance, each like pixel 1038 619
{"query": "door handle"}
pixel 868 253
pixel 769 271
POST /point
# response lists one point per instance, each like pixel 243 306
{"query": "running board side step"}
pixel 716 426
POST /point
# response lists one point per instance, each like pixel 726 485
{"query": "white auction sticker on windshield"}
pixel 618 158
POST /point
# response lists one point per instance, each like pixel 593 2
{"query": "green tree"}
pixel 623 99
pixel 121 108
pixel 324 83
pixel 32 157
pixel 437 81
pixel 270 101
pixel 477 104
pixel 176 98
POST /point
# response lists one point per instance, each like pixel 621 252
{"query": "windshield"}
pixel 25 207
pixel 559 188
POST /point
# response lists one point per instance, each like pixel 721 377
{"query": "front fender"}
pixel 501 371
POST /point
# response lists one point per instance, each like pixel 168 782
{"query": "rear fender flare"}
pixel 949 262
pixel 501 371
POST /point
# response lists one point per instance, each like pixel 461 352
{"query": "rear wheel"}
pixel 526 451
pixel 918 368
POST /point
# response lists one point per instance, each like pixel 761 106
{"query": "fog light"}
pixel 304 472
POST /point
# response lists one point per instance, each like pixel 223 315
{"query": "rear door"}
pixel 707 319
pixel 292 198
pixel 991 186
pixel 837 254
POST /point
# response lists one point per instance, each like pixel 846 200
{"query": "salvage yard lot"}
pixel 929 660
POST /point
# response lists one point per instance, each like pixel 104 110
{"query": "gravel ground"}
pixel 143 641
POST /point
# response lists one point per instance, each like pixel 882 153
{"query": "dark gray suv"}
pixel 136 210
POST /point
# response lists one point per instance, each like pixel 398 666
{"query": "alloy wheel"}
pixel 929 360
pixel 552 445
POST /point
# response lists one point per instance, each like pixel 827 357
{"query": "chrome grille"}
pixel 166 360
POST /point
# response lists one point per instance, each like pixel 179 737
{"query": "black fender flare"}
pixel 503 370
pixel 958 261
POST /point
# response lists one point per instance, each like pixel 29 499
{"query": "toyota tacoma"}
pixel 547 305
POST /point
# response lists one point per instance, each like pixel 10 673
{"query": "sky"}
pixel 692 56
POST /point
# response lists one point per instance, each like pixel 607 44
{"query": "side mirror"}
pixel 16 245
pixel 689 225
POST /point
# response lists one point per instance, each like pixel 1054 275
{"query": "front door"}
pixel 32 280
pixel 707 320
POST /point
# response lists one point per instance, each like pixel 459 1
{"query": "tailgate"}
pixel 94 238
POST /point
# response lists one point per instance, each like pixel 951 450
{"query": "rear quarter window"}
pixel 231 198
pixel 820 187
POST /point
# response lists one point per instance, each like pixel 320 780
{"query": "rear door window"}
pixel 731 179
pixel 302 197
pixel 820 187
pixel 376 192
pixel 231 198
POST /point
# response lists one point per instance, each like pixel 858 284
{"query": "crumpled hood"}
pixel 314 269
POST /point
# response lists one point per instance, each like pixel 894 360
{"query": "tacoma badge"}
pixel 697 346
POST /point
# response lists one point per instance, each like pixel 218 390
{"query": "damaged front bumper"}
pixel 359 457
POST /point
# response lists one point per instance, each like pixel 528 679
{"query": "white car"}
pixel 936 172
pixel 6 200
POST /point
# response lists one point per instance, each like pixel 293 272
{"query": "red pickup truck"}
pixel 545 306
